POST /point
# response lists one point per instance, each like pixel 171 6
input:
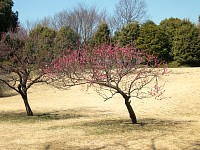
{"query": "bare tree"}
pixel 127 11
pixel 19 67
pixel 81 19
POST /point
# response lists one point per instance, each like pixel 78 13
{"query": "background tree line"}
pixel 173 40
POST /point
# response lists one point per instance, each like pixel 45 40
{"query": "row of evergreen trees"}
pixel 173 40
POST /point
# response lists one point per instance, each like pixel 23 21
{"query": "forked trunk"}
pixel 27 106
pixel 130 110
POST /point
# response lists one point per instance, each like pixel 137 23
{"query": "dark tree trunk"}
pixel 130 110
pixel 27 106
pixel 22 89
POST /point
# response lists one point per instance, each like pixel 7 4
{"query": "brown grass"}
pixel 80 120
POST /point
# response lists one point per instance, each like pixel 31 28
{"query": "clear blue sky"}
pixel 158 10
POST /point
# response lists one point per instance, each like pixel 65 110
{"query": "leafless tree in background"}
pixel 127 11
pixel 29 25
pixel 81 19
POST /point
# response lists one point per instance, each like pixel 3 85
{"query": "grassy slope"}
pixel 79 119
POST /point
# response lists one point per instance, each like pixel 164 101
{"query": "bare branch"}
pixel 127 11
pixel 10 86
pixel 103 95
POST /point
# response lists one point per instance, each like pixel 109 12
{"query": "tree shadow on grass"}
pixel 22 117
pixel 195 145
pixel 123 126
pixel 49 147
pixel 10 94
pixel 52 115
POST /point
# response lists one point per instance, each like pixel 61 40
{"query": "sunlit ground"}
pixel 77 119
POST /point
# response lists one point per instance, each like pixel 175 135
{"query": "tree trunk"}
pixel 130 110
pixel 27 106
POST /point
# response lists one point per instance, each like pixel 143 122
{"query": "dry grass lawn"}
pixel 80 120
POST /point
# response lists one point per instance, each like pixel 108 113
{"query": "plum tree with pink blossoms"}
pixel 20 65
pixel 113 70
